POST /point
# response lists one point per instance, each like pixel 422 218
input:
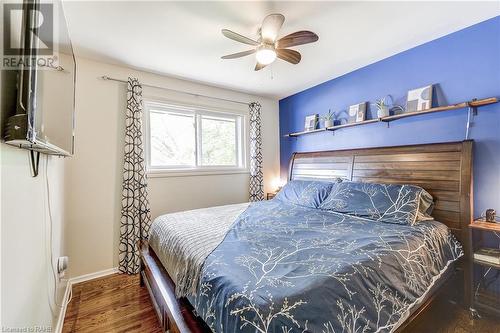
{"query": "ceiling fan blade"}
pixel 239 54
pixel 297 38
pixel 271 25
pixel 258 66
pixel 239 38
pixel 291 56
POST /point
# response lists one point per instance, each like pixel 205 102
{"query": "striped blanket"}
pixel 182 241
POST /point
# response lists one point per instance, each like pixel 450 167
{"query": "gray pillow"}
pixel 399 204
pixel 304 192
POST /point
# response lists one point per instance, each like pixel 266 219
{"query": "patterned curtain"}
pixel 256 177
pixel 135 215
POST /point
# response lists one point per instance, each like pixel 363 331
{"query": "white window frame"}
pixel 240 118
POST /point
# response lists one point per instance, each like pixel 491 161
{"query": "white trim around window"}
pixel 198 114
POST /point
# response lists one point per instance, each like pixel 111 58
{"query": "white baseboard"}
pixel 69 286
pixel 62 312
pixel 91 276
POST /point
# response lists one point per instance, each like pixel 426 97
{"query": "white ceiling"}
pixel 183 39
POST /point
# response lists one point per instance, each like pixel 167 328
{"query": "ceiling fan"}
pixel 268 47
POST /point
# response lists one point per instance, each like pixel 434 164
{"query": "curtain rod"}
pixel 105 77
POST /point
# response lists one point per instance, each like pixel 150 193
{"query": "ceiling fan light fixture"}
pixel 268 47
pixel 265 55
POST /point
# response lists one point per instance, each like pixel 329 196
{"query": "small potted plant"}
pixel 328 118
pixel 382 108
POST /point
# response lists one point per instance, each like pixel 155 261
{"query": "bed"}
pixel 276 266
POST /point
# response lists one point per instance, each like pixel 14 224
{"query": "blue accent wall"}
pixel 463 65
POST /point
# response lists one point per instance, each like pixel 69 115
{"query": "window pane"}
pixel 218 141
pixel 172 139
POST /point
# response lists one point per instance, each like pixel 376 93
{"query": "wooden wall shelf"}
pixel 487 226
pixel 471 104
pixel 305 132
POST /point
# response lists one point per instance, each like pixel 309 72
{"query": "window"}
pixel 180 138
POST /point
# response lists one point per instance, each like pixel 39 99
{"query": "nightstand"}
pixel 269 196
pixel 481 300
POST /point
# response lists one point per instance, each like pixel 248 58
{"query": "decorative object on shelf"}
pixel 328 118
pixel 382 108
pixel 397 109
pixel 343 121
pixel 419 99
pixel 357 112
pixel 311 122
pixel 341 118
pixel 490 215
pixel 360 116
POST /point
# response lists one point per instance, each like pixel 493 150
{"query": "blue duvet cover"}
pixel 288 268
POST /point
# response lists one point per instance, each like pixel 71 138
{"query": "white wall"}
pixel 27 281
pixel 94 174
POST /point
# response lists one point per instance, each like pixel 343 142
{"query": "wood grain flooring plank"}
pixel 114 304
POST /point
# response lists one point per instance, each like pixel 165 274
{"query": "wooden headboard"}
pixel 443 169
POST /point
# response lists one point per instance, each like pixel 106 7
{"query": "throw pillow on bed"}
pixel 399 204
pixel 304 192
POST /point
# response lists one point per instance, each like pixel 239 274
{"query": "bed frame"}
pixel 443 169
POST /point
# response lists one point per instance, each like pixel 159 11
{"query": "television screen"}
pixel 55 93
pixel 46 85
pixel 55 90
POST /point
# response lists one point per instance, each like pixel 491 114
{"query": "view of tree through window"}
pixel 218 141
pixel 172 139
pixel 182 138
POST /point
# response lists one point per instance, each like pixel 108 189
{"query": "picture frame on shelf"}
pixel 311 122
pixel 357 113
pixel 419 99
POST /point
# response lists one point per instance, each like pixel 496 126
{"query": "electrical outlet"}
pixel 62 266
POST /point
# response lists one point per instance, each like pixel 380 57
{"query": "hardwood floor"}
pixel 117 303
pixel 443 317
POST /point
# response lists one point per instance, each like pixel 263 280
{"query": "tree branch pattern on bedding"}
pixel 305 193
pixel 288 268
pixel 400 204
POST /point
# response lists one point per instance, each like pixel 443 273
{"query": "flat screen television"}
pixel 44 118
